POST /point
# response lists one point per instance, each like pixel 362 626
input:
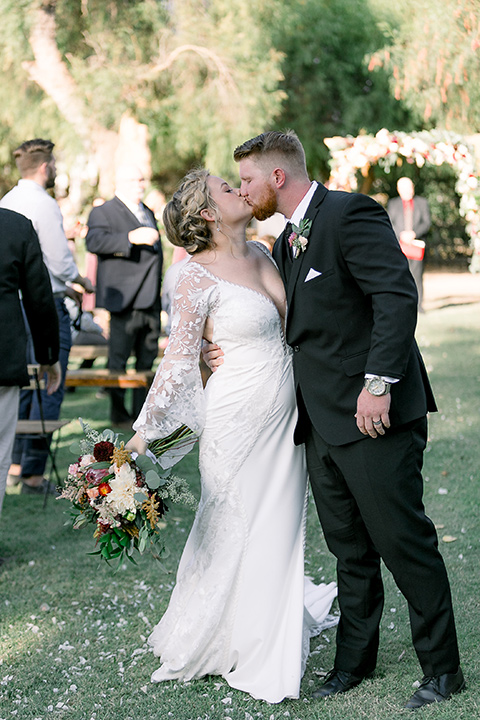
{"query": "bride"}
pixel 238 608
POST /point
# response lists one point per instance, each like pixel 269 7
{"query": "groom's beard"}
pixel 267 205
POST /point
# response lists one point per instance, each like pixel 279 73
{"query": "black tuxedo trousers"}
pixel 369 500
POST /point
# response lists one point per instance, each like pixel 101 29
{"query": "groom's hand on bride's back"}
pixel 212 355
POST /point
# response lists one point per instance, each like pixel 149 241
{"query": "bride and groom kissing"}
pixel 314 362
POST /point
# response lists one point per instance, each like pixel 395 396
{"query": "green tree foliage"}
pixel 201 76
pixel 433 57
pixel 25 111
pixel 329 89
pixel 222 74
pixel 204 75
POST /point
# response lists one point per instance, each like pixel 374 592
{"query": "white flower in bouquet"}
pixel 106 516
pixel 123 487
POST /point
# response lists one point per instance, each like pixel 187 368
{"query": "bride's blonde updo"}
pixel 183 223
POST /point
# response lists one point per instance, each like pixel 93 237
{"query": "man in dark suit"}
pixel 363 395
pixel 22 269
pixel 410 218
pixel 123 234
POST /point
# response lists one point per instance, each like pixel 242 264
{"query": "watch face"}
pixel 376 386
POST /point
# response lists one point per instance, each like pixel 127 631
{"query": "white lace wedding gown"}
pixel 237 609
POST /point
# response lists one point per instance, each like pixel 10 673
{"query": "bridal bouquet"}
pixel 124 497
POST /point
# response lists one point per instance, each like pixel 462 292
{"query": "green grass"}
pixel 72 631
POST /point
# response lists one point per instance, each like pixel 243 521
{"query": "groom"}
pixel 363 395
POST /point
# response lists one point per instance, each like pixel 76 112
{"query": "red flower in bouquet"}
pixel 103 451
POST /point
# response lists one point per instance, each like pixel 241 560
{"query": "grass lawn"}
pixel 73 632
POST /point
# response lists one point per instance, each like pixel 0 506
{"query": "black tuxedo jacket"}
pixel 128 276
pixel 22 268
pixel 421 216
pixel 352 309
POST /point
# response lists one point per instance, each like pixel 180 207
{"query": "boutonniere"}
pixel 298 238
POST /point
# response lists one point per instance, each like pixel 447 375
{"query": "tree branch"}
pixel 50 73
pixel 210 58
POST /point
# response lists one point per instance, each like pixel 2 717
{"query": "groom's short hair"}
pixel 285 145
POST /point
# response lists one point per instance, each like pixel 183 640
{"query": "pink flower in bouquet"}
pixel 73 469
pixel 94 476
pixel 93 492
pixel 86 460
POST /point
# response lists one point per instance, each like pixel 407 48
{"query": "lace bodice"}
pixel 246 325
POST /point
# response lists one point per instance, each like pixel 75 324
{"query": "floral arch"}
pixel 351 154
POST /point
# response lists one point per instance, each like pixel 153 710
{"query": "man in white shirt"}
pixel 36 164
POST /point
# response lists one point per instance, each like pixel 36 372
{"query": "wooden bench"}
pixel 37 428
pixel 92 352
pixel 103 377
pixel 88 352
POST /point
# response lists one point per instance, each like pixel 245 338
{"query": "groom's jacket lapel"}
pixel 282 257
pixel 311 214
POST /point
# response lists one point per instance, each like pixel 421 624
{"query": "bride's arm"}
pixel 136 444
pixel 176 395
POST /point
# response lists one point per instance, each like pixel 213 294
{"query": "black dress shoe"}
pixel 437 689
pixel 337 682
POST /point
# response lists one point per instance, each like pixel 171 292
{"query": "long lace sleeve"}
pixel 176 396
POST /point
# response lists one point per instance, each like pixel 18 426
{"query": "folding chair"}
pixel 41 429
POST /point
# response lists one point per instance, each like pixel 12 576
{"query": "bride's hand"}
pixel 136 444
pixel 212 355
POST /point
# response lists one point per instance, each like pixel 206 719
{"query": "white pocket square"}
pixel 312 273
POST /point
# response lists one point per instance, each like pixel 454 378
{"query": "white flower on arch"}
pixel 434 147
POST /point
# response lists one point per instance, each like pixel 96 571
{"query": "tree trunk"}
pixel 51 73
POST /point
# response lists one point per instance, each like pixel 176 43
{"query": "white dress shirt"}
pixel 302 207
pixel 31 200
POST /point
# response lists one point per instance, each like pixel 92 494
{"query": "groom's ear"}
pixel 278 176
